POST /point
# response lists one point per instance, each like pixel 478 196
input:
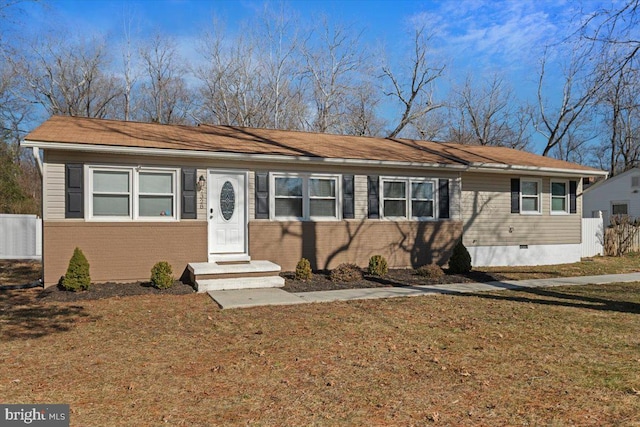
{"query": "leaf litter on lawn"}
pixel 503 358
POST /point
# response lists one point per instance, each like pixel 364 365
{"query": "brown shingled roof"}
pixel 231 139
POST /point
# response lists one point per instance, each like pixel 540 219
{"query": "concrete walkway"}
pixel 242 298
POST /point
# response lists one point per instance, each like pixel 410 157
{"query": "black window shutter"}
pixel 189 193
pixel 73 189
pixel 573 188
pixel 443 198
pixel 373 191
pixel 348 207
pixel 515 195
pixel 262 195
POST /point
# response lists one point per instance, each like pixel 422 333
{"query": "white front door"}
pixel 227 212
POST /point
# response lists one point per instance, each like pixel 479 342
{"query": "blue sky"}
pixel 472 33
pixel 479 37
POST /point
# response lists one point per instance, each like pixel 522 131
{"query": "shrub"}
pixel 303 269
pixel 346 273
pixel 460 261
pixel 378 266
pixel 430 271
pixel 162 275
pixel 77 277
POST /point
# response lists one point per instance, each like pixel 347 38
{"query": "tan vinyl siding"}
pixel 57 159
pixel 252 195
pixel 53 204
pixel 488 221
pixel 201 211
pixel 455 198
pixel 360 197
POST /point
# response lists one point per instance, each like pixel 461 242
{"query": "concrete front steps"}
pixel 224 275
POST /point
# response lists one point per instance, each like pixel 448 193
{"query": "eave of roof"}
pixel 269 145
pixel 277 158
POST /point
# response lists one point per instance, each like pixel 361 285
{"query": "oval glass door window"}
pixel 227 200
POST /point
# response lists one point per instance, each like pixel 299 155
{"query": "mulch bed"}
pixel 111 290
pixel 320 281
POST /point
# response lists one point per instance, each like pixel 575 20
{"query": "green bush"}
pixel 303 269
pixel 460 261
pixel 430 271
pixel 77 277
pixel 378 266
pixel 346 273
pixel 162 275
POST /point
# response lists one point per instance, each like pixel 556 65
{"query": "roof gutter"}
pixel 534 170
pixel 275 158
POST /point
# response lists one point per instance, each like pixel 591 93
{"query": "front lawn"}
pixel 554 356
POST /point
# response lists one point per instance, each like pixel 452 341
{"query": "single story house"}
pixel 232 205
pixel 618 195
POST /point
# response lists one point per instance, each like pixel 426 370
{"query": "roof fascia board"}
pixel 277 158
pixel 533 170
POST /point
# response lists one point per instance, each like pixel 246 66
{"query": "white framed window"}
pixel 156 193
pixel 130 193
pixel 111 193
pixel 559 197
pixel 322 197
pixel 394 198
pixel 422 199
pixel 288 197
pixel 298 196
pixel 530 196
pixel 408 198
pixel 619 208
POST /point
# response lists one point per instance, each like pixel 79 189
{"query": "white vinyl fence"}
pixel 592 236
pixel 20 237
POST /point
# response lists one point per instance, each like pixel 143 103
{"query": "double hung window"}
pixel 111 195
pixel 408 198
pixel 305 197
pixel 530 195
pixel 559 197
pixel 132 193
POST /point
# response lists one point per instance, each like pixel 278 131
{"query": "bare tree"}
pixel 278 43
pixel 581 86
pixel 415 94
pixel 165 96
pixel 232 82
pixel 360 116
pixel 130 73
pixel 620 103
pixel 67 77
pixel 332 63
pixel 485 114
pixel 615 27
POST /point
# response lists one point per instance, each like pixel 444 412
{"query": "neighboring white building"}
pixel 619 195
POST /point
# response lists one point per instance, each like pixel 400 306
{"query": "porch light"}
pixel 201 182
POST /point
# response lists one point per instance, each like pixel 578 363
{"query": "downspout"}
pixel 36 155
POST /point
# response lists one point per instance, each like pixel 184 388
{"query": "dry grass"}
pixel 587 267
pixel 19 272
pixel 560 356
